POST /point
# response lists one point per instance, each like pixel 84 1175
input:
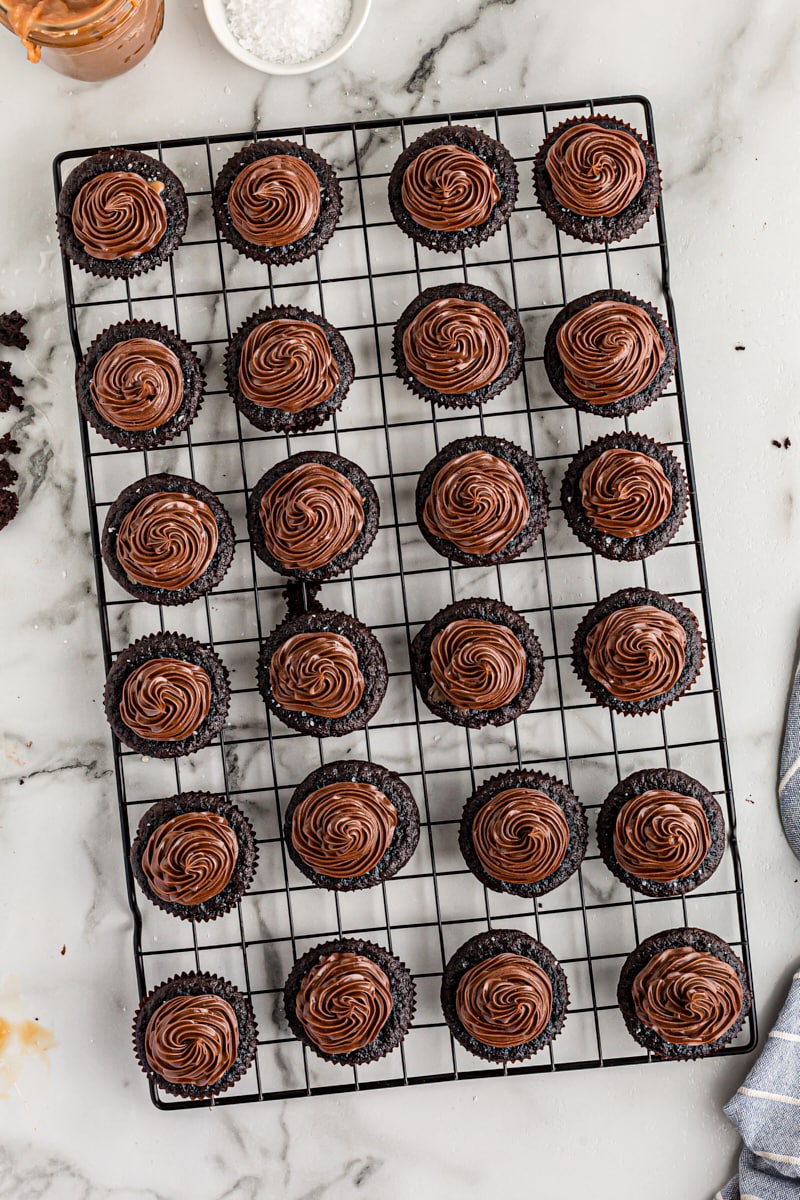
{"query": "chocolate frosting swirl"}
pixel 625 494
pixel 318 674
pixel 594 171
pixel 636 653
pixel 609 351
pixel 167 540
pixel 520 835
pixel 343 829
pixel 191 857
pixel 455 346
pixel 288 365
pixel 192 1040
pixel 137 384
pixel 310 515
pixel 660 835
pixel 165 699
pixel 275 200
pixel 689 997
pixel 505 1000
pixel 343 1002
pixel 448 188
pixel 119 215
pixel 477 502
pixel 476 664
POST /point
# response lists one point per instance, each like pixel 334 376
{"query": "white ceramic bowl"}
pixel 215 13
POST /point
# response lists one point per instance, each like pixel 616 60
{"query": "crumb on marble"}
pixel 8 444
pixel 11 330
pixel 9 507
pixel 7 473
pixel 63 950
pixel 739 347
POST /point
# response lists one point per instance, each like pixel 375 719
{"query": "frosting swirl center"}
pixel 610 351
pixel 661 835
pixel 449 188
pixel 637 652
pixel 343 1002
pixel 318 674
pixel 343 829
pixel 167 540
pixel 477 502
pixel 520 835
pixel 192 1040
pixel 625 494
pixel 505 1000
pixel 137 384
pixel 118 214
pixel 275 201
pixel 191 857
pixel 165 699
pixel 594 171
pixel 455 346
pixel 689 997
pixel 288 365
pixel 477 664
pixel 311 515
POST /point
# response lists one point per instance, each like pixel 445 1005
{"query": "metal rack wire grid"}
pixel 362 281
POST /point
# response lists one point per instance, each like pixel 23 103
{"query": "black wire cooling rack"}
pixel 361 281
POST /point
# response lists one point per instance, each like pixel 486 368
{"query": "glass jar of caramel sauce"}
pixel 83 38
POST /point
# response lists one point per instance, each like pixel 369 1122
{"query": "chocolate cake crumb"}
pixel 11 330
pixel 739 347
pixel 9 507
pixel 7 473
pixel 8 444
pixel 8 382
pixel 786 443
pixel 776 443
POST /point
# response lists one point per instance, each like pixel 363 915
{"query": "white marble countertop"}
pixel 75 1116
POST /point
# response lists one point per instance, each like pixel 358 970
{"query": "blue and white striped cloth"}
pixel 766 1108
pixel 766 1111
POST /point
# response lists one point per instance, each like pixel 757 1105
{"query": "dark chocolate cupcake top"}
pixel 343 829
pixel 609 351
pixel 165 699
pixel 477 664
pixel 455 346
pixel 310 515
pixel 477 502
pixel 637 652
pixel 688 997
pixel 192 1040
pixel 625 493
pixel 504 1000
pixel 275 201
pixel 190 857
pixel 520 835
pixel 287 364
pixel 167 540
pixel 119 214
pixel 449 188
pixel 661 835
pixel 343 1002
pixel 137 384
pixel 595 170
pixel 317 673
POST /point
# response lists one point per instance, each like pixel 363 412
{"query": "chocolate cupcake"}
pixel 349 1001
pixel 481 500
pixel 277 202
pixel 322 672
pixel 139 385
pixel 458 345
pixel 609 353
pixel 453 188
pixel 476 663
pixel 121 213
pixel 684 994
pixel 167 539
pixel 166 695
pixel 625 496
pixel 195 1035
pixel 313 515
pixel 194 855
pixel 637 651
pixel 504 996
pixel 661 832
pixel 523 832
pixel 287 369
pixel 350 825
pixel 597 179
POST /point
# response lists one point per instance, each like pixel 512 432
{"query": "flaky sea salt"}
pixel 287 31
